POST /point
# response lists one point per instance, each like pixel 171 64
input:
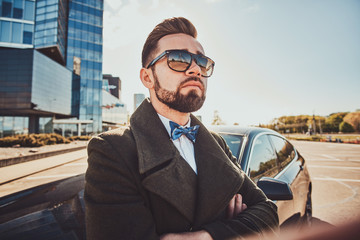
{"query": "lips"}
pixel 193 84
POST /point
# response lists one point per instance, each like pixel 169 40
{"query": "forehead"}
pixel 179 41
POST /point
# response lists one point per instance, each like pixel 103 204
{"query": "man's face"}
pixel 182 91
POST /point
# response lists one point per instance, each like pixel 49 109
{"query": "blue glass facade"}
pixel 17 23
pixel 32 83
pixel 15 82
pixel 66 31
pixel 51 25
pixel 51 85
pixel 85 42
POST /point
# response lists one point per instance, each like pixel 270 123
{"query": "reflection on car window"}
pixel 234 142
pixel 263 159
pixel 284 150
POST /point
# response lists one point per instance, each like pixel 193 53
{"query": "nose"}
pixel 194 69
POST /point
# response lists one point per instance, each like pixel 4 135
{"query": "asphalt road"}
pixel 41 171
pixel 335 172
pixel 334 169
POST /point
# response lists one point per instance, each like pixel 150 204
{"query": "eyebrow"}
pixel 197 52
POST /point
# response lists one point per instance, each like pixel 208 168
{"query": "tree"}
pixel 346 127
pixel 332 123
pixel 354 119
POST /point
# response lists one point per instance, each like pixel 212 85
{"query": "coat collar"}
pixel 152 141
pixel 165 172
pixel 200 198
pixel 219 179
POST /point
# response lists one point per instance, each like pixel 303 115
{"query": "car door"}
pixel 292 172
pixel 263 162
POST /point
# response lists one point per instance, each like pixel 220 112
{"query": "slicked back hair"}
pixel 168 26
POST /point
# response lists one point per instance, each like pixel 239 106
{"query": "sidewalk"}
pixel 10 156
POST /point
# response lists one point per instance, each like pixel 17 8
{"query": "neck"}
pixel 172 114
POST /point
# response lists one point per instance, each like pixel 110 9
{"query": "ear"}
pixel 146 77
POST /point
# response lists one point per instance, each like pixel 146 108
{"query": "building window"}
pixel 18 9
pixel 28 34
pixel 16 32
pixel 6 8
pixel 5 31
pixel 29 10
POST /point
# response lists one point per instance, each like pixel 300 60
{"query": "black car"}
pixel 274 164
pixel 56 210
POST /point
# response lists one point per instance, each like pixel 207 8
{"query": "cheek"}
pixel 205 83
pixel 168 80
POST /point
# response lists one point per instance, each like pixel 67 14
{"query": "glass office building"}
pixel 51 28
pixel 17 23
pixel 85 44
pixel 34 86
pixel 66 33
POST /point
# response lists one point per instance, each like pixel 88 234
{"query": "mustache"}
pixel 196 79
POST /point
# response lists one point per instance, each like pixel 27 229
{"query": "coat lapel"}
pixel 218 178
pixel 165 173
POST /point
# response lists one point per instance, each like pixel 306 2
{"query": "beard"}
pixel 190 102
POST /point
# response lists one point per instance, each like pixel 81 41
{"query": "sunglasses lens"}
pixel 206 65
pixel 179 60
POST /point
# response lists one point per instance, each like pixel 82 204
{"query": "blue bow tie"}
pixel 189 132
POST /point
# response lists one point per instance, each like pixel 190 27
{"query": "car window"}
pixel 262 159
pixel 234 142
pixel 284 150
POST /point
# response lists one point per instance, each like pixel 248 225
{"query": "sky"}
pixel 272 57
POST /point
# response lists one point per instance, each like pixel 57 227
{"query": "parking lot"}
pixel 335 174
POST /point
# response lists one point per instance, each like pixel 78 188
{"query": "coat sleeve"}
pixel 112 197
pixel 260 216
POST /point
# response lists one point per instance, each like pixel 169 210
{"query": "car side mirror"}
pixel 275 189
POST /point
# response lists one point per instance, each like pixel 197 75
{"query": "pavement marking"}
pixel 320 159
pixel 329 160
pixel 331 157
pixel 336 179
pixel 76 164
pixel 53 176
pixel 336 167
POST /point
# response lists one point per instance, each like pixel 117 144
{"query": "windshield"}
pixel 234 142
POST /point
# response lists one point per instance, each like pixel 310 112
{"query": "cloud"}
pixel 113 5
pixel 212 1
pixel 253 9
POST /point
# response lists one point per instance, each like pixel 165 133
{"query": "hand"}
pixel 235 206
pixel 199 235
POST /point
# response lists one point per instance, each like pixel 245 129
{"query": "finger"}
pixel 244 206
pixel 230 208
pixel 238 204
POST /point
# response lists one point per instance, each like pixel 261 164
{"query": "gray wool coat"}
pixel 139 187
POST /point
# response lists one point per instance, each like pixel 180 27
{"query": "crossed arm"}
pixel 235 207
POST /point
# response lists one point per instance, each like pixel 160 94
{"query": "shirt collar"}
pixel 166 121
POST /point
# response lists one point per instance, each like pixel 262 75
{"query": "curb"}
pixel 15 160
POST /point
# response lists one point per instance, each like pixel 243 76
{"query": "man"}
pixel 158 180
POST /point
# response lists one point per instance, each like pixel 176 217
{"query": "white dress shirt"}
pixel 183 144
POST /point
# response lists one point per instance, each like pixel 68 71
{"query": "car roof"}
pixel 245 131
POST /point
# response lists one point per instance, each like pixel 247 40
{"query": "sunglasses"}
pixel 180 61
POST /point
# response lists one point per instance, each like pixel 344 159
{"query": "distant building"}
pixel 114 85
pixel 114 113
pixel 50 66
pixel 138 98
